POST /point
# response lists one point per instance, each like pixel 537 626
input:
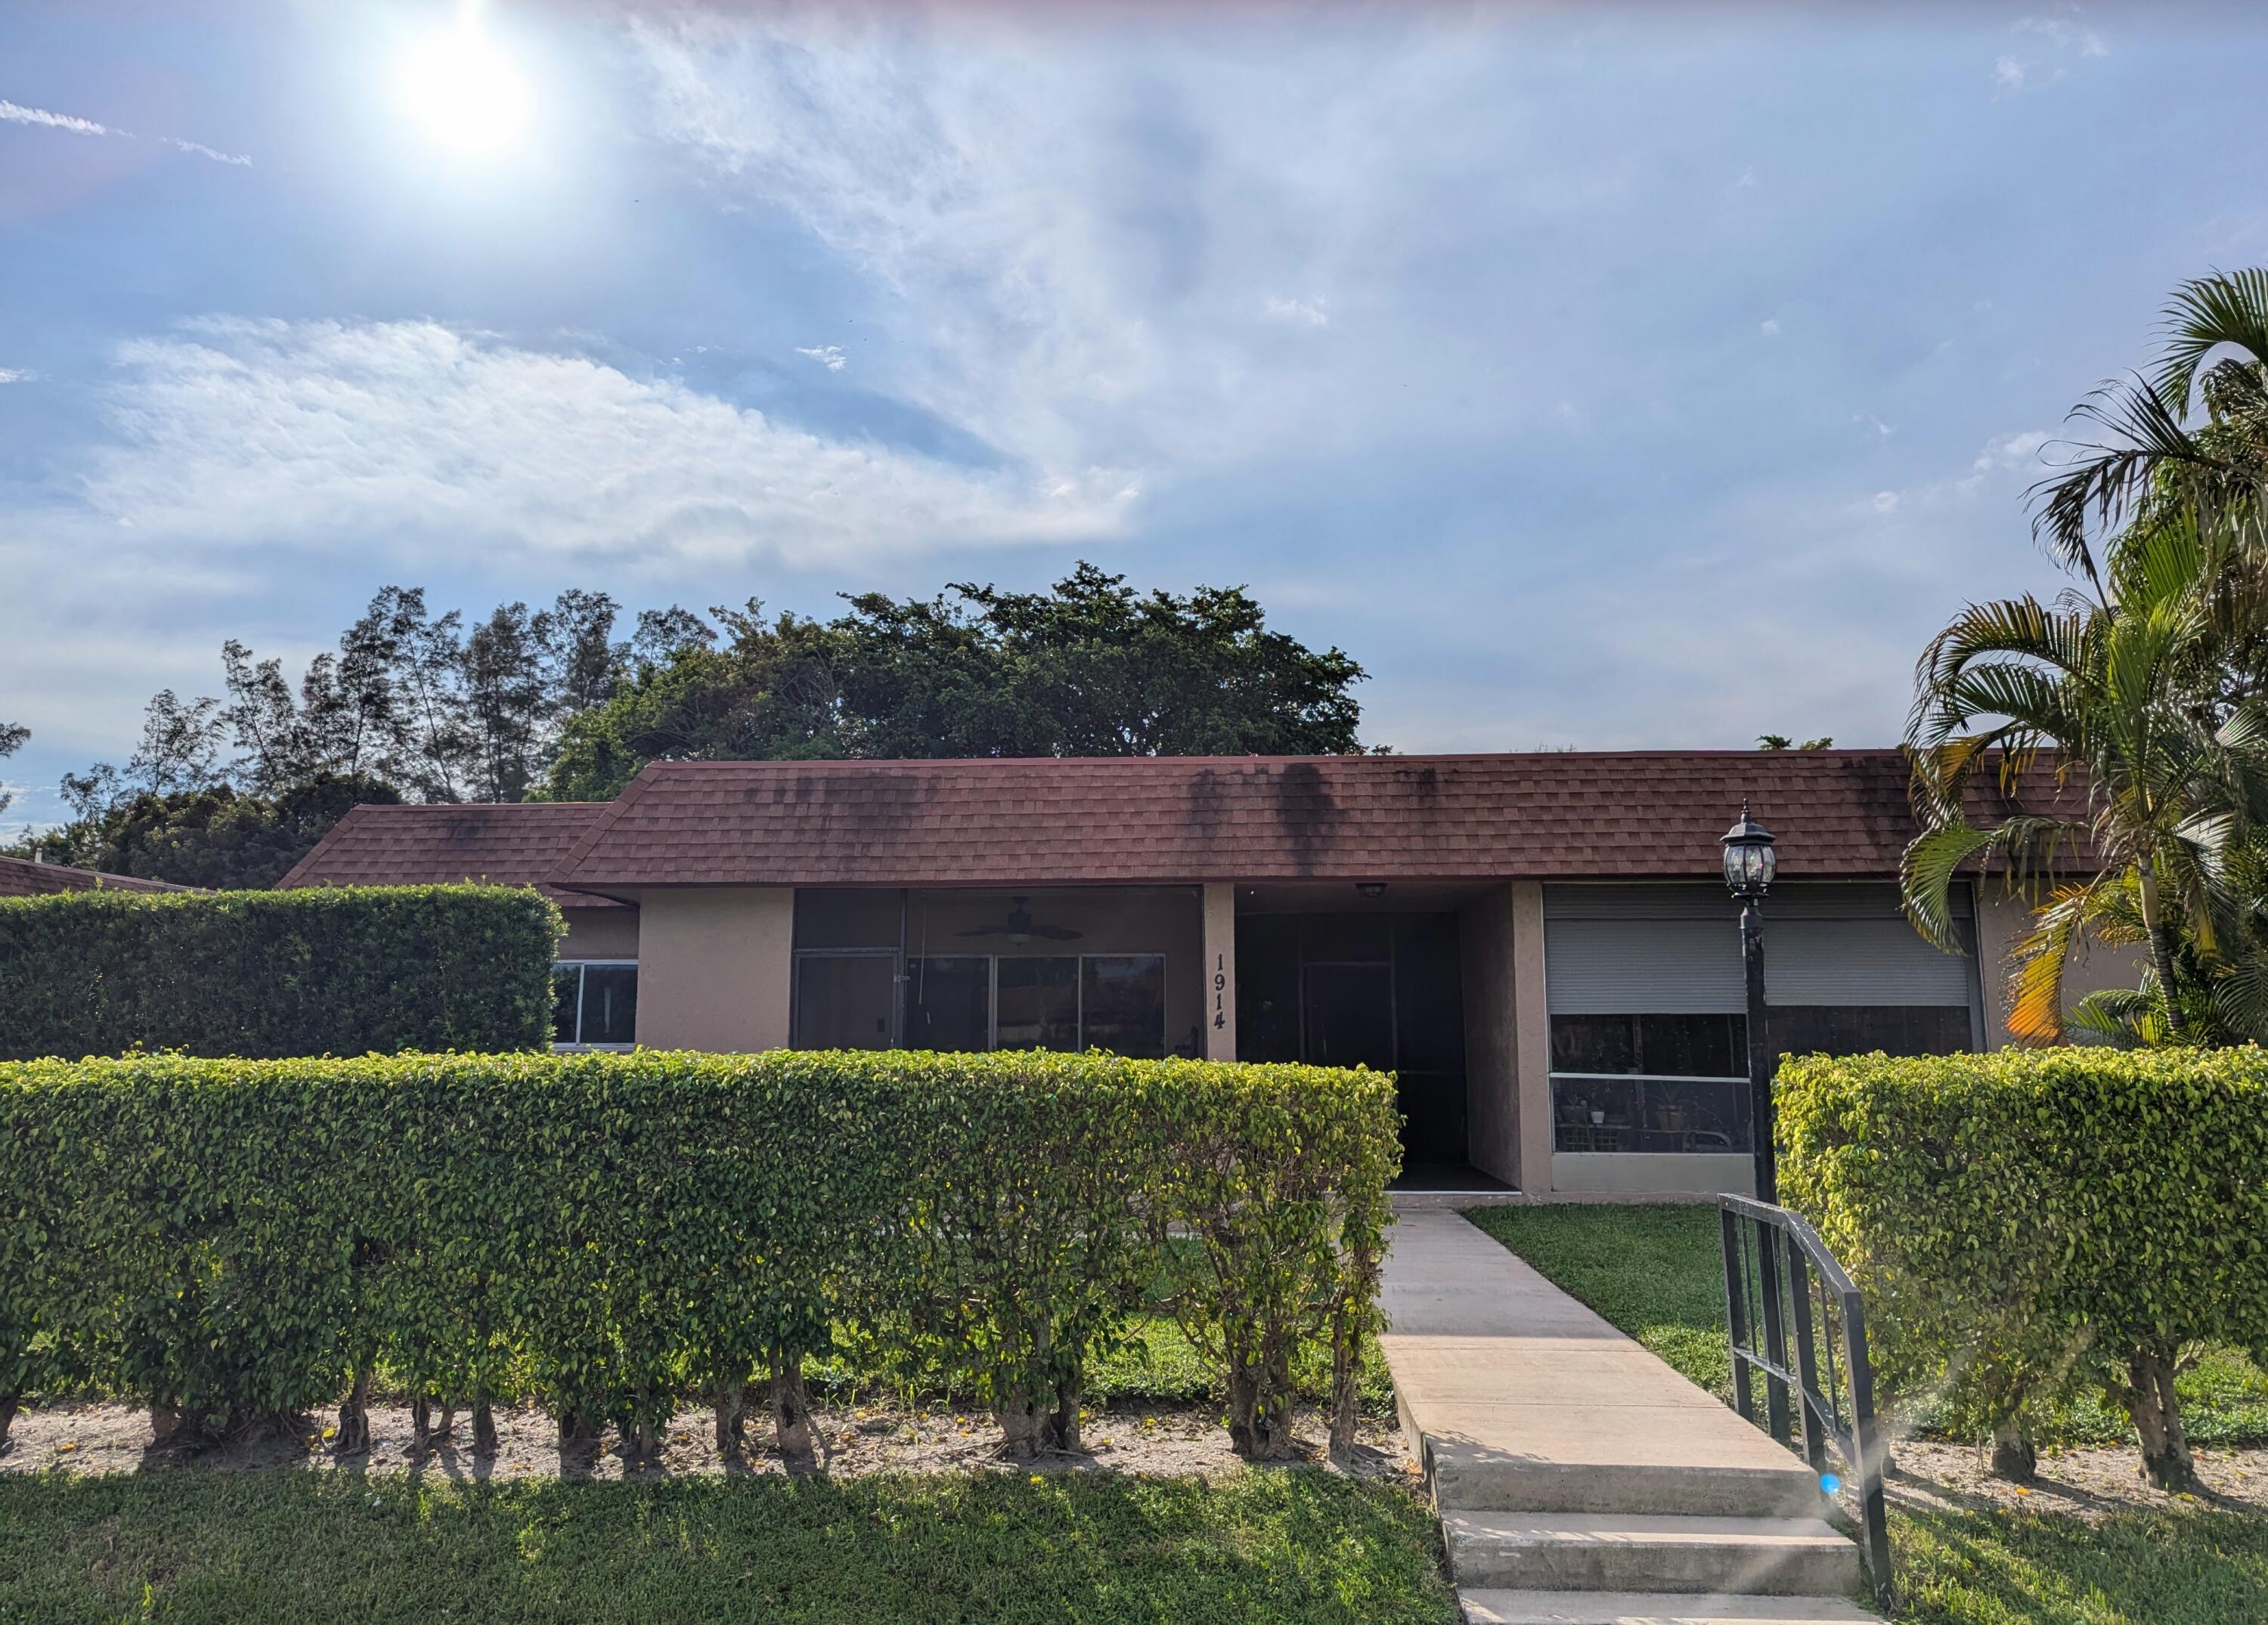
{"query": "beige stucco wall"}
pixel 1167 920
pixel 1635 1174
pixel 600 934
pixel 1216 973
pixel 715 968
pixel 1484 949
pixel 1535 1078
pixel 2001 919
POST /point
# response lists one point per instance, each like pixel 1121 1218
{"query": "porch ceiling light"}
pixel 1749 861
pixel 1371 888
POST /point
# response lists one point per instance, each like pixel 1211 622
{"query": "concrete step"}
pixel 1466 1477
pixel 1627 1552
pixel 1502 1608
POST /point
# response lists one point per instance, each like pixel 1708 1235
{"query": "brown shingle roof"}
pixel 516 845
pixel 1155 819
pixel 21 877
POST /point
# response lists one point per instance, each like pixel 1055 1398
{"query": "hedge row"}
pixel 239 1240
pixel 2030 1220
pixel 322 971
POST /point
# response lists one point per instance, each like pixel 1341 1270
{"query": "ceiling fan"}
pixel 1019 928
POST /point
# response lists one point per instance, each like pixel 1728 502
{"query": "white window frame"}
pixel 575 1046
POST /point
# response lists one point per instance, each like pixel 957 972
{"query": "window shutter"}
pixel 1676 949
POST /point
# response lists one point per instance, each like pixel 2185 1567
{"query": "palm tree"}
pixel 2153 461
pixel 2110 685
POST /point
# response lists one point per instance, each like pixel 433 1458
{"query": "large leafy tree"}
pixel 13 738
pixel 214 836
pixel 1089 667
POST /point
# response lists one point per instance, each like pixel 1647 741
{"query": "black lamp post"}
pixel 1750 866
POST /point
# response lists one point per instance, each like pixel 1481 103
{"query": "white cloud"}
pixel 1303 312
pixel 1770 328
pixel 411 435
pixel 828 356
pixel 16 375
pixel 1886 502
pixel 200 149
pixel 2015 450
pixel 2056 44
pixel 1079 249
pixel 1883 431
pixel 12 114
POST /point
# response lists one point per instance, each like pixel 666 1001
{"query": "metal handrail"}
pixel 1774 1260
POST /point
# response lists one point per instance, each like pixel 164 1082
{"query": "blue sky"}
pixel 1651 376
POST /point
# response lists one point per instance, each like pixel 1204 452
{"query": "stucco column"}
pixel 1532 1082
pixel 716 966
pixel 1220 971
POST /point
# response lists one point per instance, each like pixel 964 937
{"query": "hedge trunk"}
pixel 642 1446
pixel 9 1404
pixel 484 1428
pixel 354 1416
pixel 730 1402
pixel 578 1441
pixel 1259 1419
pixel 2014 1456
pixel 791 1407
pixel 1062 1431
pixel 425 1432
pixel 2157 1414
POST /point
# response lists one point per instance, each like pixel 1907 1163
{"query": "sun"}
pixel 465 92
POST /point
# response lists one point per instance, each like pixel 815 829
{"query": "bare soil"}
pixel 93 1438
pixel 2087 1484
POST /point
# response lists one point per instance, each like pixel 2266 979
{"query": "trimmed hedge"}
pixel 2032 1220
pixel 322 971
pixel 240 1240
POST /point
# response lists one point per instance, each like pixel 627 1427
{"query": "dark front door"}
pixel 844 1001
pixel 1348 1015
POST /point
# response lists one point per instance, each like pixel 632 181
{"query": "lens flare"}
pixel 465 92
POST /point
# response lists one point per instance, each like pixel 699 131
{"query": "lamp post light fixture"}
pixel 1750 866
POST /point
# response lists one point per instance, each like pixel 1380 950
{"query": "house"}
pixel 24 877
pixel 1540 945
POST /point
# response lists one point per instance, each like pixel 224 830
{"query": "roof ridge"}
pixel 874 763
pixel 635 788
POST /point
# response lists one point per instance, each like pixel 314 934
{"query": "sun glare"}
pixel 465 92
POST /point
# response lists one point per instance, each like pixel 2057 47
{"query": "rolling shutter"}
pixel 1676 949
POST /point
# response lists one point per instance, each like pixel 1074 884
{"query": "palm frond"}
pixel 2228 307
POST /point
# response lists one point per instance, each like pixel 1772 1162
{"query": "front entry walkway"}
pixel 1581 1480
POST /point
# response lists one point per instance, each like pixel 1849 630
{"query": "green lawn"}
pixel 291 1547
pixel 1658 1273
pixel 1655 1273
pixel 2134 1568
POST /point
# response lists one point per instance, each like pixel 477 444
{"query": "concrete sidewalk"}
pixel 1578 1477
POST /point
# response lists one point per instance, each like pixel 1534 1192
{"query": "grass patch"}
pixel 1657 1272
pixel 2135 1569
pixel 268 1548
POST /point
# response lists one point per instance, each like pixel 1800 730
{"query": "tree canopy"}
pixel 416 705
pixel 1089 668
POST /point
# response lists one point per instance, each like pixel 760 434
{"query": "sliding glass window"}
pixel 595 1004
pixel 1063 1002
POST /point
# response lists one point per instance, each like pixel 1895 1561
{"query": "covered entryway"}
pixel 1347 975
